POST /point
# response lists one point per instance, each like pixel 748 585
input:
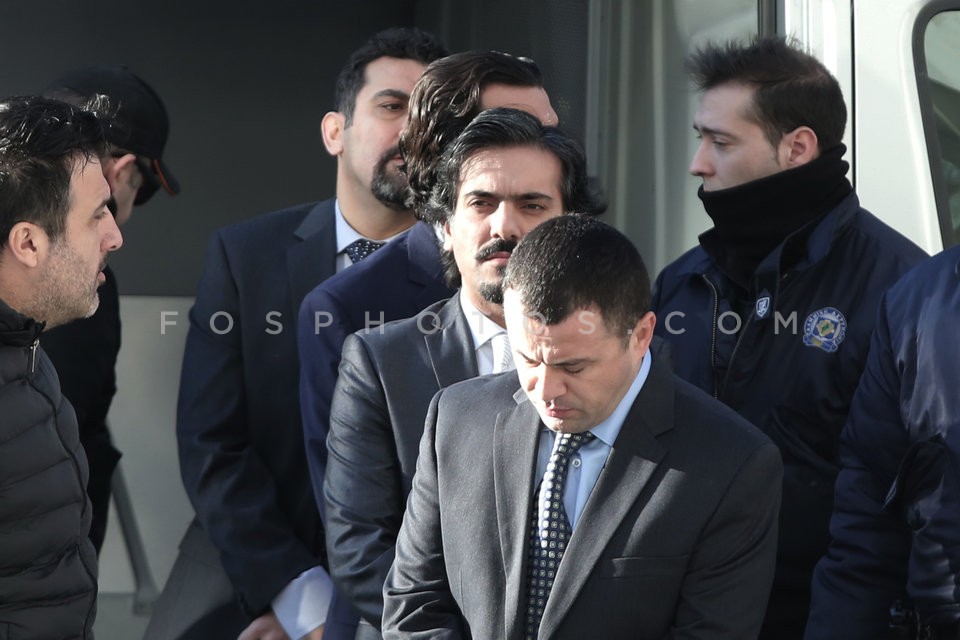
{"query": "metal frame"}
pixel 145 589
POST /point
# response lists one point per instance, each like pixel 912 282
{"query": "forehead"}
pixel 88 187
pixel 511 171
pixel 533 100
pixel 726 106
pixel 582 327
pixel 387 73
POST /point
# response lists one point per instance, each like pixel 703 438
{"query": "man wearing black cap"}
pixel 85 352
pixel 137 134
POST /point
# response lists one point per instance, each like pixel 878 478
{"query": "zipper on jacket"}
pixel 736 346
pixel 713 336
pixel 713 339
pixel 33 357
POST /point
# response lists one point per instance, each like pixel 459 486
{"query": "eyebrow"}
pixel 391 93
pixel 529 195
pixel 562 364
pixel 573 362
pixel 710 131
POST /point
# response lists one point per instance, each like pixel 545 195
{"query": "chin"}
pixel 555 425
pixel 92 309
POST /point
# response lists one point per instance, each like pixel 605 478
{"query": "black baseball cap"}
pixel 140 123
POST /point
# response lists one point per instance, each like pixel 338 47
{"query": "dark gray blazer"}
pixel 379 405
pixel 677 540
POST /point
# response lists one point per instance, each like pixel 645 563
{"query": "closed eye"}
pixel 527 360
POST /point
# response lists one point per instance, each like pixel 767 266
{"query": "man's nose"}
pixel 112 238
pixel 699 166
pixel 504 222
pixel 549 384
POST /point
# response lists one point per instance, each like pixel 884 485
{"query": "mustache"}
pixel 495 246
pixel 389 155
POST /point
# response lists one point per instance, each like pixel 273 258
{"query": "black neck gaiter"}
pixel 752 219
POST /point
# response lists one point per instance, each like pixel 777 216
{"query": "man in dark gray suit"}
pixel 252 563
pixel 602 497
pixel 505 174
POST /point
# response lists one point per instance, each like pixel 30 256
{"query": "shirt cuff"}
pixel 303 604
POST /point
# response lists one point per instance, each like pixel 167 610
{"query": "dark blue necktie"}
pixel 360 249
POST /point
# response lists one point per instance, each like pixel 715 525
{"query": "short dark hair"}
pixel 444 101
pixel 791 87
pixel 573 262
pixel 41 142
pixel 397 42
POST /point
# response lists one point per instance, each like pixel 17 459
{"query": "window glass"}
pixel 642 128
pixel 942 51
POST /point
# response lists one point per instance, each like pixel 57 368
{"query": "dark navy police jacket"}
pixel 896 526
pixel 795 362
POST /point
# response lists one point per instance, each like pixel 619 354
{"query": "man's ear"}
pixel 799 147
pixel 122 171
pixel 28 243
pixel 642 333
pixel 331 127
pixel 447 239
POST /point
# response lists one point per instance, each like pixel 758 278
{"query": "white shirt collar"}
pixel 483 330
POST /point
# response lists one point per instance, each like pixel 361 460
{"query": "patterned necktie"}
pixel 550 528
pixel 360 249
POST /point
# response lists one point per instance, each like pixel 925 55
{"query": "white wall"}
pixel 142 421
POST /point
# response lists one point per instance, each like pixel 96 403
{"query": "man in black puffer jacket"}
pixel 55 233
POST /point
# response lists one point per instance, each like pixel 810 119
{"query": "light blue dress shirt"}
pixel 587 463
pixel 346 235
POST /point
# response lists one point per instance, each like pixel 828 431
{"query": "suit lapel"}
pixel 632 461
pixel 313 259
pixel 515 454
pixel 423 256
pixel 450 344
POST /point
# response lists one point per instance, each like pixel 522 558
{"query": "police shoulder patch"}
pixel 763 306
pixel 825 329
